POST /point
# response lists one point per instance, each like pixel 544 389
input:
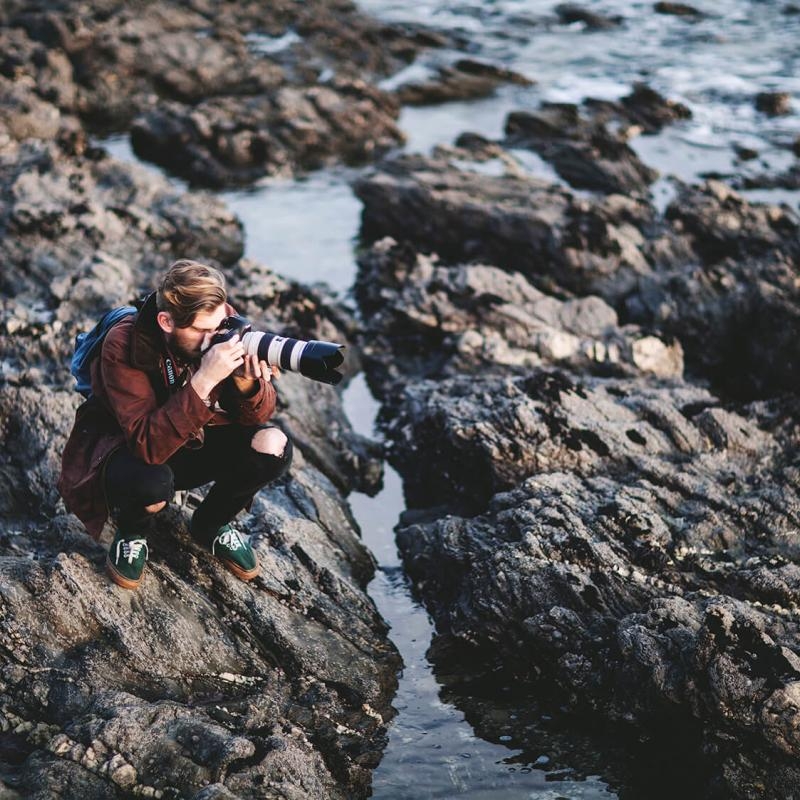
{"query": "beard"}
pixel 190 356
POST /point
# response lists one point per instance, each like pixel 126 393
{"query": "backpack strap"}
pixel 88 344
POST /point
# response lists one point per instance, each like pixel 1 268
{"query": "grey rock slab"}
pixel 714 268
pixel 189 679
pixel 427 318
pixel 642 594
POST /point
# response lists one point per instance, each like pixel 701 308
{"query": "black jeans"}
pixel 226 457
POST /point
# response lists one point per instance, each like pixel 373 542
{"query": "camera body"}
pixel 314 359
pixel 229 327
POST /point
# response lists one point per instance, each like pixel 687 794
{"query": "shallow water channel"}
pixel 306 230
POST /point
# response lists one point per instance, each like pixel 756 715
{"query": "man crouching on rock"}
pixel 168 412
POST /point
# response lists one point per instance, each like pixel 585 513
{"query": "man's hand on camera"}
pixel 217 363
pixel 251 370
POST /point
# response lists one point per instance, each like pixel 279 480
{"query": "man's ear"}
pixel 165 321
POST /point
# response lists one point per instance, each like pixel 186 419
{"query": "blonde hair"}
pixel 188 288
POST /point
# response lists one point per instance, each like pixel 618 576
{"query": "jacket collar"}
pixel 147 343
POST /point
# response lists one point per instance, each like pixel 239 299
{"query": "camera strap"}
pixel 169 372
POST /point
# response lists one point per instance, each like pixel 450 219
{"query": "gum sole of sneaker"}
pixel 242 574
pixel 121 580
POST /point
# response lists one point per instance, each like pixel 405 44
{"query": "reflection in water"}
pixel 433 751
pixel 302 229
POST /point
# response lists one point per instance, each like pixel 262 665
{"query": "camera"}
pixel 316 360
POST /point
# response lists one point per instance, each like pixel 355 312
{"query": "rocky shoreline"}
pixel 592 402
pixel 587 511
pixel 196 685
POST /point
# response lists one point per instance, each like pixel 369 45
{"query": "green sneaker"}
pixel 234 551
pixel 126 560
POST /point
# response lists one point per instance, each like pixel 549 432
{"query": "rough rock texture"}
pixel 739 327
pixel 275 689
pixel 734 259
pixel 588 146
pixel 598 525
pixel 585 154
pixel 644 552
pixel 233 140
pixel 466 79
pixel 197 685
pixel 513 221
pixel 220 93
pixel 443 321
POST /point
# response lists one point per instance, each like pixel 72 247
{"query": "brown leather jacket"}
pixel 141 400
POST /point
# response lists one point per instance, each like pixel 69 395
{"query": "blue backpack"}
pixel 88 344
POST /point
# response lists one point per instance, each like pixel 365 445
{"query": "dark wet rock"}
pixel 235 140
pixel 733 258
pixel 744 153
pixel 679 10
pixel 570 13
pixel 466 79
pixel 588 146
pixel 635 549
pixel 607 529
pixel 585 154
pixel 511 221
pixel 796 146
pixel 774 104
pixel 431 320
pixel 734 304
pixel 493 432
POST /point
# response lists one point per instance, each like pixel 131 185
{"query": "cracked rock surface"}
pixel 196 685
pixel 593 408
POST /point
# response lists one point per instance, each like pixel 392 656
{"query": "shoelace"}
pixel 131 549
pixel 230 538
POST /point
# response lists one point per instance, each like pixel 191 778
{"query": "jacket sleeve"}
pixel 253 409
pixel 152 432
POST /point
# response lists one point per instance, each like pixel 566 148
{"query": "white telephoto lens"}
pixel 250 342
pixel 297 354
pixel 274 352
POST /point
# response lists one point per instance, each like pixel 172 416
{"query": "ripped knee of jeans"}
pixel 270 441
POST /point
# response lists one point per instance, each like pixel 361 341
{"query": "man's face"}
pixel 188 343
